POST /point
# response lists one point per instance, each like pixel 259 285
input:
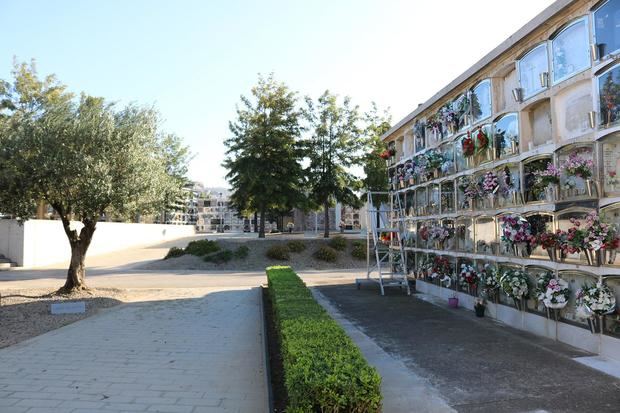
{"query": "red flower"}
pixel 468 145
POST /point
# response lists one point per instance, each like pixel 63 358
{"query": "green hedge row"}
pixel 323 369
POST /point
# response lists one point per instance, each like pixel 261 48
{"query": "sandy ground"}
pixel 258 261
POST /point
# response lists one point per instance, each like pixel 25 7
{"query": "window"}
pixel 506 136
pixel 570 51
pixel 611 164
pixel 481 101
pixel 532 67
pixel 607 27
pixel 609 96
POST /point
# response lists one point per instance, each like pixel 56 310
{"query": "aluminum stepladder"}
pixel 386 264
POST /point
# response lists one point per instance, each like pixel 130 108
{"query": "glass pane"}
pixel 434 200
pixel 530 69
pixel 535 187
pixel 486 238
pixel 607 26
pixel 461 107
pixel 464 235
pixel 506 136
pixel 419 133
pixel 609 95
pixel 577 173
pixel 483 143
pixel 460 159
pixel 540 223
pixel 611 164
pixel 570 51
pixel 450 242
pixel 447 164
pixel 481 101
pixel 447 197
pixel 509 192
pixel 421 201
pixel 463 202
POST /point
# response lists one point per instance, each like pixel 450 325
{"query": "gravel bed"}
pixel 258 261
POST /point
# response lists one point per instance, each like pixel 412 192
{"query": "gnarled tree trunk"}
pixel 79 243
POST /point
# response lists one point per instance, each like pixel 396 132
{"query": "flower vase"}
pixel 411 181
pixel 590 187
pixel 435 173
pixel 594 257
pixel 611 256
pixel 520 249
pixel 490 204
pixel 552 254
pixel 519 304
pixel 402 184
pixel 513 146
pixel 551 193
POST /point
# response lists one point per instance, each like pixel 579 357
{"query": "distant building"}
pixel 352 219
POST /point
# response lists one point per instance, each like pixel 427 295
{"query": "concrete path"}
pixel 194 355
pixel 474 365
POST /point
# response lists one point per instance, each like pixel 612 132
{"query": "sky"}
pixel 193 59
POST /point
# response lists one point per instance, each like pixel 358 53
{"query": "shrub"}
pixel 296 246
pixel 278 252
pixel 359 250
pixel 323 369
pixel 202 247
pixel 242 252
pixel 338 243
pixel 174 252
pixel 219 257
pixel 327 254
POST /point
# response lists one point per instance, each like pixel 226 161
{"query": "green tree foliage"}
pixel 264 153
pixel 375 168
pixel 334 147
pixel 86 158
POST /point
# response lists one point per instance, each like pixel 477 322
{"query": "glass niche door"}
pixel 486 235
pixel 576 280
pixel 535 189
pixel 534 273
pixel 421 201
pixel 506 136
pixel 611 165
pixel 464 232
pixel 578 177
pixel 564 223
pixel 483 142
pixel 450 243
pixel 509 190
pixel 610 214
pixel 609 97
pixel 447 197
pixel 540 222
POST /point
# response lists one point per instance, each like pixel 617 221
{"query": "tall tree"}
pixel 85 158
pixel 334 147
pixel 375 168
pixel 264 153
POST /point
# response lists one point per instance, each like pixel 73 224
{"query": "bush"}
pixel 242 252
pixel 296 246
pixel 202 247
pixel 278 252
pixel 327 254
pixel 323 369
pixel 174 252
pixel 219 257
pixel 338 243
pixel 359 250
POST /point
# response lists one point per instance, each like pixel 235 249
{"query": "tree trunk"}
pixel 261 231
pixel 326 233
pixel 76 273
pixel 255 221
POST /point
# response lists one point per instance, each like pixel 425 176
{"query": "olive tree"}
pixel 84 157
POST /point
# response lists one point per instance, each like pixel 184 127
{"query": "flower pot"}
pixel 479 309
pixel 453 302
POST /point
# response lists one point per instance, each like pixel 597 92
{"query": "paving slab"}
pixel 184 355
pixel 476 365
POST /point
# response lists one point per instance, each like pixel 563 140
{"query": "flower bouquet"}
pixel 595 300
pixel 468 279
pixel 515 284
pixel 490 185
pixel 547 181
pixel 442 268
pixel 550 242
pixel 385 154
pixel 578 167
pixel 489 279
pixel 469 148
pixel 424 233
pixel 612 180
pixel 450 118
pixel 516 234
pixel 435 124
pixel 434 160
pixel 556 294
pixel 471 191
pixel 439 234
pixel 482 140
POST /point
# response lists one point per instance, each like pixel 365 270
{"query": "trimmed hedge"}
pixel 202 247
pixel 323 369
pixel 359 250
pixel 174 252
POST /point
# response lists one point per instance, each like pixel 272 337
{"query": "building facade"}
pixel 522 145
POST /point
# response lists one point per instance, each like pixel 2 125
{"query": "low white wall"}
pixel 11 239
pixel 43 242
pixel 577 337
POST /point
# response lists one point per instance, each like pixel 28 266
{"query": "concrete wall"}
pixel 582 338
pixel 43 242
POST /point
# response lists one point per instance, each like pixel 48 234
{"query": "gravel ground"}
pixel 258 261
pixel 26 313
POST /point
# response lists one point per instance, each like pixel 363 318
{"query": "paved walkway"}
pixel 474 365
pixel 193 355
